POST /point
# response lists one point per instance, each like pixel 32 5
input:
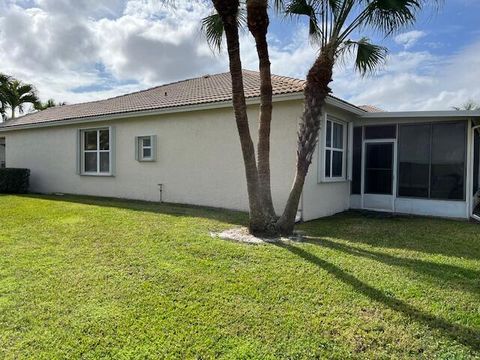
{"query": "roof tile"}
pixel 201 90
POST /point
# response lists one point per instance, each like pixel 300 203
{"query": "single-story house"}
pixel 181 138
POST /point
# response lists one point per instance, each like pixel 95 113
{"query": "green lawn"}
pixel 91 278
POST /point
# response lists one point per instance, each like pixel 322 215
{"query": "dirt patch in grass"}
pixel 241 234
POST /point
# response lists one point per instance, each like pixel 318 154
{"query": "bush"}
pixel 14 181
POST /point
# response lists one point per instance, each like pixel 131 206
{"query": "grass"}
pixel 97 278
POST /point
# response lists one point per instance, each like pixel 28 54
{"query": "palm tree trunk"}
pixel 258 22
pixel 228 9
pixel 316 92
pixel 13 112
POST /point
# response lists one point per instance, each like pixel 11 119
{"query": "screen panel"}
pixel 379 169
pixel 414 161
pixel 448 161
pixel 381 132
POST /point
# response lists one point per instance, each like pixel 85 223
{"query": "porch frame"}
pixel 470 201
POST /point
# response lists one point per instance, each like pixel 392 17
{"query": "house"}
pixel 181 138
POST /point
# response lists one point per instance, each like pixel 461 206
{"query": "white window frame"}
pixel 83 151
pixel 344 150
pixel 140 147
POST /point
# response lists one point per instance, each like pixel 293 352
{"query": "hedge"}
pixel 14 181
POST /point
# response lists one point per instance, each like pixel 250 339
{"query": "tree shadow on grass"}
pixel 179 210
pixel 455 276
pixel 465 335
pixel 448 237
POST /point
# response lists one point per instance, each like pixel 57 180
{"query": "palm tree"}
pixel 17 94
pixel 258 22
pixel 48 104
pixel 4 80
pixel 229 15
pixel 332 24
pixel 470 105
pixel 258 177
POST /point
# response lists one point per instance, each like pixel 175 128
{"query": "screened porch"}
pixel 422 165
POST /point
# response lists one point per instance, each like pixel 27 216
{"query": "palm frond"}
pixel 336 6
pixel 278 5
pixel 4 78
pixel 30 98
pixel 306 8
pixel 389 16
pixel 368 56
pixel 25 89
pixel 212 27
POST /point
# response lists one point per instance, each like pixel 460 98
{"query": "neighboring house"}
pixel 184 137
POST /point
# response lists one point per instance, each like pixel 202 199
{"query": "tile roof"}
pixel 370 108
pixel 201 90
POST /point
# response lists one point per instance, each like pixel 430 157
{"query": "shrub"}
pixel 14 181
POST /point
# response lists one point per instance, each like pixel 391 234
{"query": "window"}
pixel 335 144
pixel 145 148
pixel 96 152
pixel 432 161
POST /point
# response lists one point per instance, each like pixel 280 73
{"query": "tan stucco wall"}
pixel 199 161
pixel 325 198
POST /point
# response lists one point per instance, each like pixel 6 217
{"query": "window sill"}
pixel 97 175
pixel 333 180
pixel 146 161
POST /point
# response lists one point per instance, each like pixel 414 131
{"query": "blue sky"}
pixel 80 50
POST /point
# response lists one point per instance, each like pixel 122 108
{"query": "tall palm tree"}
pixel 229 15
pixel 332 24
pixel 17 94
pixel 254 15
pixel 4 80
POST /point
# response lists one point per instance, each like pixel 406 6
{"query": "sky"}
pixel 82 50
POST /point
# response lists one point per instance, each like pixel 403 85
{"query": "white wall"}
pixel 325 198
pixel 199 160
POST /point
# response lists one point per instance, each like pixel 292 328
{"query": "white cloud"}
pixel 416 81
pixel 408 39
pixel 112 47
pixel 65 45
pixel 292 59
